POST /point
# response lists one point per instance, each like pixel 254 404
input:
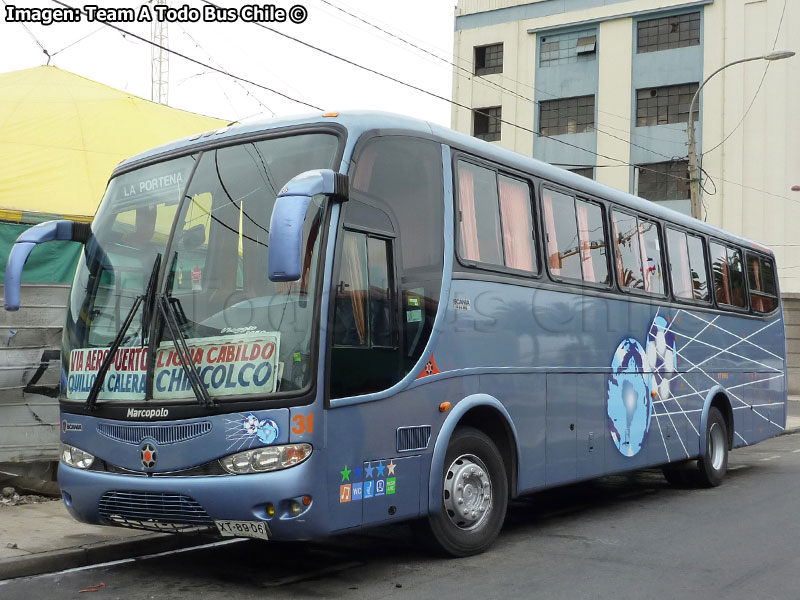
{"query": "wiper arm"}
pixel 182 350
pixel 115 344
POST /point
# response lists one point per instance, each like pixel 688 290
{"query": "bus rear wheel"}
pixel 714 463
pixel 474 495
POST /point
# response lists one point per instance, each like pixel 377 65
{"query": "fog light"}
pixel 295 508
pixel 270 510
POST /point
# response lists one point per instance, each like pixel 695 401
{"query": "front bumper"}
pixel 114 499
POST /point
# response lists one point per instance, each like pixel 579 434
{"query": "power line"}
pixel 35 39
pixel 406 84
pixel 237 82
pixel 443 98
pixel 474 76
pixel 193 60
pixel 758 89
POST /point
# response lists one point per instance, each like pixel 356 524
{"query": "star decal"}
pixel 357 473
pixel 368 471
pixel 345 474
pixel 381 469
pixel 391 467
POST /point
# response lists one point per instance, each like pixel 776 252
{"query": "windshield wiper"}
pixel 115 344
pixel 182 350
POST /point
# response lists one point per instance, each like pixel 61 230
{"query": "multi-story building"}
pixel 603 87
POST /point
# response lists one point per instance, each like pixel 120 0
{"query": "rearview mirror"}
pixel 68 231
pixel 286 223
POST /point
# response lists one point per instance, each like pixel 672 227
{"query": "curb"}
pixel 92 554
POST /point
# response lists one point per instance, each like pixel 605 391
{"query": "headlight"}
pixel 75 457
pixel 261 460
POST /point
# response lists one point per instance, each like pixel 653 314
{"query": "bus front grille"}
pixel 155 511
pixel 162 434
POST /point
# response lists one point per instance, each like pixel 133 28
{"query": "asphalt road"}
pixel 630 536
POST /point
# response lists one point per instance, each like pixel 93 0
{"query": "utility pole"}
pixel 694 174
pixel 160 60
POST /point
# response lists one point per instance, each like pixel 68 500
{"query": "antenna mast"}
pixel 160 60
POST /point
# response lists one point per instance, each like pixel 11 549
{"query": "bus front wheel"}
pixel 474 495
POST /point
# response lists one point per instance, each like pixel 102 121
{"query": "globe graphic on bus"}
pixel 662 357
pixel 628 402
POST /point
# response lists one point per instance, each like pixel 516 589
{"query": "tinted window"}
pixel 726 268
pixel 561 234
pixel 688 265
pixel 592 237
pixel 697 261
pixel 403 176
pixel 517 222
pixel 628 251
pixel 679 264
pixel 763 292
pixel 651 255
pixel 479 214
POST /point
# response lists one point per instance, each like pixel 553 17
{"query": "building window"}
pixel 572 47
pixel 666 182
pixel 489 59
pixel 664 33
pixel 664 105
pixel 587 172
pixel 486 123
pixel 566 115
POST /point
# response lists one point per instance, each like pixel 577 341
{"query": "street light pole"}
pixel 694 176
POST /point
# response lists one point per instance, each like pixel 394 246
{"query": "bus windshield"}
pixel 206 218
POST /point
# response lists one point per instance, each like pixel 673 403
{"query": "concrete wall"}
pixel 791 316
pixel 30 342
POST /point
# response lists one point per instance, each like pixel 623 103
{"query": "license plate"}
pixel 252 529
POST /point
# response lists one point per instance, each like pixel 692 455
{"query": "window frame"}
pixel 458 156
pixel 649 18
pixel 770 259
pixel 668 95
pixel 746 309
pixel 482 113
pixel 706 264
pixel 544 105
pixel 484 70
pixel 575 195
pixel 667 295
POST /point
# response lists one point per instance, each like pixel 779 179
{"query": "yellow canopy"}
pixel 61 135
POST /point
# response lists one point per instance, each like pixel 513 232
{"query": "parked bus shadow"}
pixel 394 551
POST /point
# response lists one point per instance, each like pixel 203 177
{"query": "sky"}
pixel 251 52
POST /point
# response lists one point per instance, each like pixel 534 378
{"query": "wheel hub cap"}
pixel 467 492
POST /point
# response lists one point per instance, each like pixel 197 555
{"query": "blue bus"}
pixel 308 326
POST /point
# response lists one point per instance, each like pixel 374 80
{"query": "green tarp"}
pixel 53 262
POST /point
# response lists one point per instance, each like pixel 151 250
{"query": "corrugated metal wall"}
pixel 30 341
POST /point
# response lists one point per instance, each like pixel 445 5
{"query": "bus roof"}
pixel 359 122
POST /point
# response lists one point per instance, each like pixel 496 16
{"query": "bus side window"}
pixel 687 260
pixel 479 215
pixel 726 267
pixel 651 257
pixel 697 264
pixel 561 234
pixel 736 270
pixel 628 250
pixel 763 294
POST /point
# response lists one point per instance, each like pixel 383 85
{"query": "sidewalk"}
pixel 42 538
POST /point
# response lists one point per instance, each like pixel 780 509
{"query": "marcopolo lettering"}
pixel 147 413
